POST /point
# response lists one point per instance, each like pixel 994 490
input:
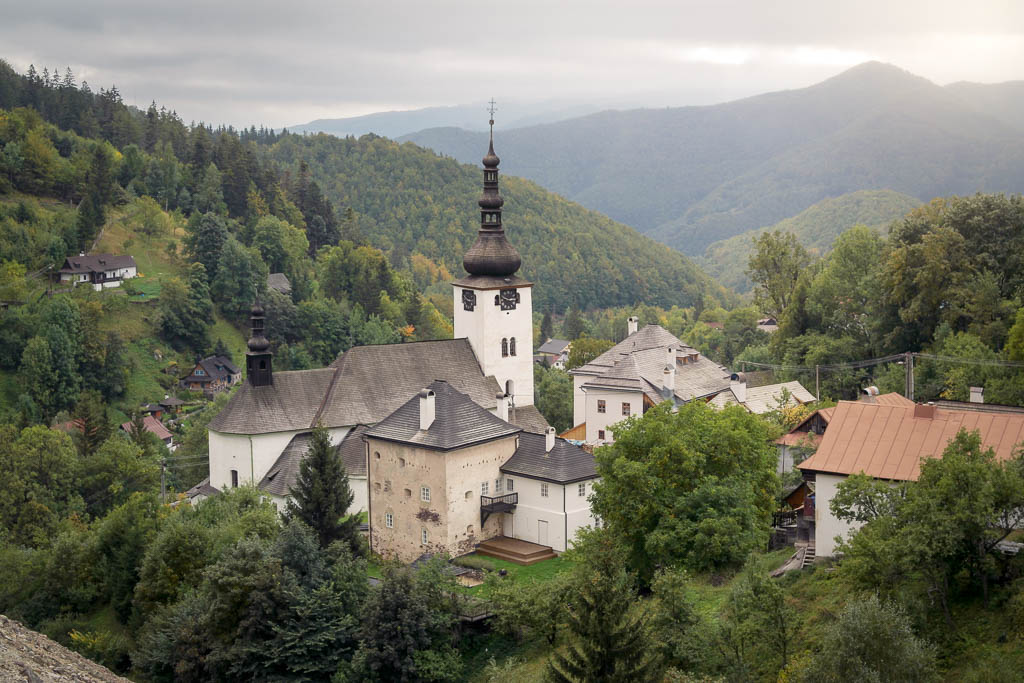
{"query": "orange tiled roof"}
pixel 887 441
pixel 893 399
pixel 152 425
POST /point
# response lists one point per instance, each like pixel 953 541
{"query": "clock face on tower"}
pixel 468 299
pixel 509 298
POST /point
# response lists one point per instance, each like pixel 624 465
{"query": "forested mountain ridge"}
pixel 411 202
pixel 691 176
pixel 816 228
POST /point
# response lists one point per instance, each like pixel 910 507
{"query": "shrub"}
pixel 474 562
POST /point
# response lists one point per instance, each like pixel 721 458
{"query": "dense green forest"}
pixel 692 176
pixel 816 227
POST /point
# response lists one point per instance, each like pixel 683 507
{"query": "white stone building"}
pixel 262 433
pixel 649 366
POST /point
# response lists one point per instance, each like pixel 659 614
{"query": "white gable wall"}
pixel 613 411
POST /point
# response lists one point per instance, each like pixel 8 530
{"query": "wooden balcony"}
pixel 492 504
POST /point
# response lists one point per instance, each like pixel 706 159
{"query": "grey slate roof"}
pixel 555 346
pixel 282 475
pixel 373 381
pixel 458 422
pixel 638 362
pixel 565 464
pixel 203 488
pixel 279 282
pixel 97 263
pixel 216 368
pixel 764 399
pixel 289 404
pixel 529 419
pixel 353 451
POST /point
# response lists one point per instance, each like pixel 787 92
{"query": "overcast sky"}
pixel 285 63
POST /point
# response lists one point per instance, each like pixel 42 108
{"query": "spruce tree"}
pixel 608 641
pixel 546 327
pixel 90 416
pixel 321 495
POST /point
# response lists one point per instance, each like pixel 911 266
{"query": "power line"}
pixel 853 365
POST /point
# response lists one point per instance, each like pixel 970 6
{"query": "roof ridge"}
pixel 327 394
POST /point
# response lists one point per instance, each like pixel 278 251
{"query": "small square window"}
pixel 600 405
pixel 543 490
pixel 425 494
pixel 600 434
pixel 508 485
pixel 423 536
pixel 625 409
pixel 389 520
pixel 582 490
pixel 485 488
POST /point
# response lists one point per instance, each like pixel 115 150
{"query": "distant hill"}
pixel 394 124
pixel 694 175
pixel 411 201
pixel 817 228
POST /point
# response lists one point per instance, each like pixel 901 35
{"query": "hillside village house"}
pixel 763 399
pixel 98 270
pixel 555 352
pixel 649 366
pixel 153 426
pixel 886 438
pixel 262 434
pixel 212 375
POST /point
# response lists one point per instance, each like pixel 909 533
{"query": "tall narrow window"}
pixel 497 487
pixel 234 479
pixel 485 488
pixel 425 494
pixel 543 490
pixel 389 520
pixel 509 485
pixel 625 409
pixel 423 536
pixel 600 434
pixel 582 490
pixel 600 405
pixel 512 346
pixel 504 348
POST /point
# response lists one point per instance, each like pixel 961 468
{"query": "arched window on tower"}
pixel 512 346
pixel 504 348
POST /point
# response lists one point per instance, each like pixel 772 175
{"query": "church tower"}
pixel 259 369
pixel 493 307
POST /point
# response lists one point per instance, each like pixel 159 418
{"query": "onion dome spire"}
pixel 258 359
pixel 491 254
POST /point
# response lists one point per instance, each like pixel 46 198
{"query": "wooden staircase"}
pixel 514 550
pixel 808 556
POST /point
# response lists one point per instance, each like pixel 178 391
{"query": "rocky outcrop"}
pixel 32 657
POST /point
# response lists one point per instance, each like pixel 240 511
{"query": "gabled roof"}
pixel 279 283
pixel 892 399
pixel 637 363
pixel 764 399
pixel 373 381
pixel 555 346
pixel 280 479
pixel 215 367
pixel 203 488
pixel 291 403
pixel 152 425
pixel 171 401
pixel 96 263
pixel 888 441
pixel 458 422
pixel 565 464
pixel 529 419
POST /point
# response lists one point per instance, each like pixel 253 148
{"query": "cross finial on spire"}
pixel 491 108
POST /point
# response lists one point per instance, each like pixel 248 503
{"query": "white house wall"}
pixel 826 525
pixel 613 411
pixel 579 399
pixel 577 508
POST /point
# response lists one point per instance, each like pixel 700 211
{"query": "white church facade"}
pixel 262 434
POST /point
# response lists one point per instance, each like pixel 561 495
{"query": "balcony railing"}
pixel 492 504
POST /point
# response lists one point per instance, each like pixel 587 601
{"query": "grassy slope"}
pixel 816 227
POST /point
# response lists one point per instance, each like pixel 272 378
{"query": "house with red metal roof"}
pixel 887 440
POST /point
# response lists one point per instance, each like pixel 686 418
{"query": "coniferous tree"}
pixel 90 416
pixel 608 639
pixel 321 496
pixel 546 327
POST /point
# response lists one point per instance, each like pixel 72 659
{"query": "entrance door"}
pixel 542 532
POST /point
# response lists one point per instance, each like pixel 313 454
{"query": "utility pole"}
pixel 163 480
pixel 817 382
pixel 908 366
